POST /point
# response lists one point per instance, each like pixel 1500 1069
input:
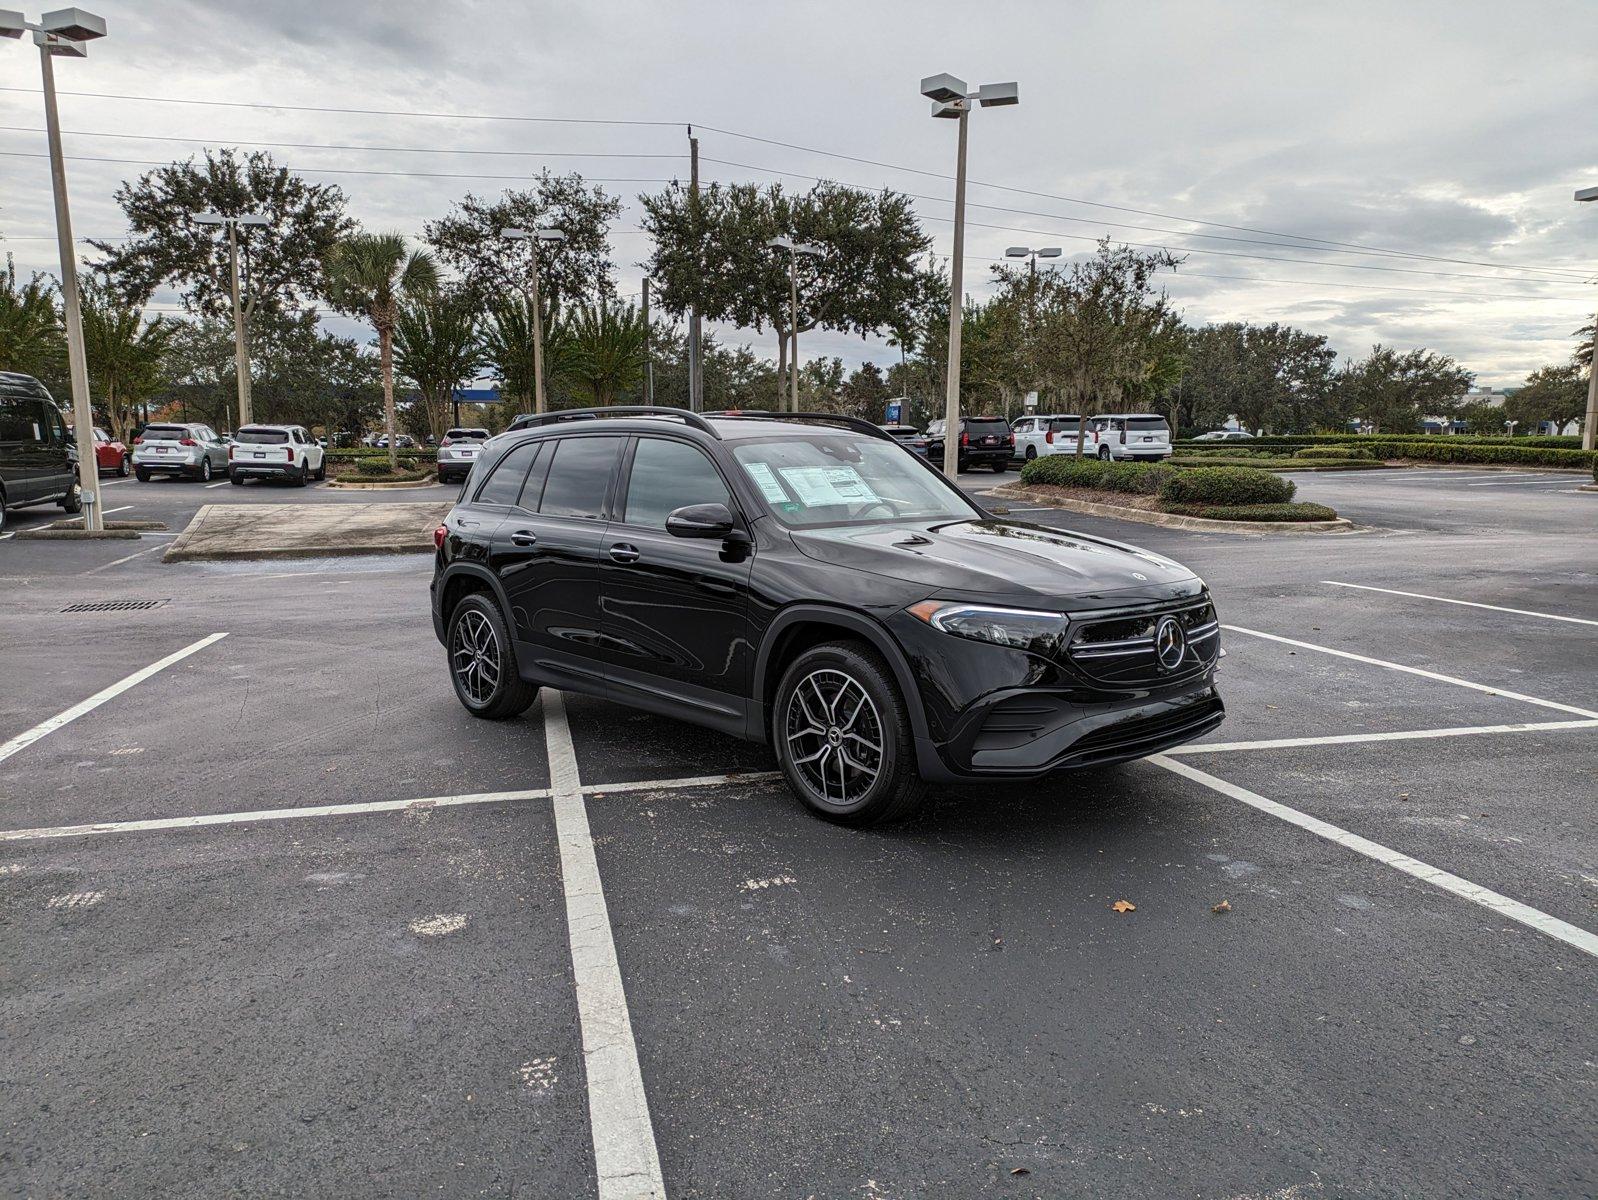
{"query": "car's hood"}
pixel 996 558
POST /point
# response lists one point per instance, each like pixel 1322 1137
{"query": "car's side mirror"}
pixel 701 521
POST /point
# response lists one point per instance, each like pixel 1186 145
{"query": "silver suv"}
pixel 191 451
pixel 457 452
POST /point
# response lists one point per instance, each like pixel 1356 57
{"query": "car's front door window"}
pixel 668 475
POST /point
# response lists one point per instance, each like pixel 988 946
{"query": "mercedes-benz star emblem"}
pixel 1170 643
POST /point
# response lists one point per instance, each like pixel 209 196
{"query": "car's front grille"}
pixel 1120 650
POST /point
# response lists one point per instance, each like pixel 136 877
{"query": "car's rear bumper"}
pixel 282 470
pixel 167 465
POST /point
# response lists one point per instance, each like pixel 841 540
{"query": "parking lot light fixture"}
pixel 65 33
pixel 1031 254
pixel 1589 427
pixel 533 237
pixel 951 101
pixel 241 353
pixel 794 249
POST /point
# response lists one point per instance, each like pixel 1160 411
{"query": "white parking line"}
pixel 24 740
pixel 224 483
pixel 268 814
pixel 1347 739
pixel 625 1158
pixel 117 562
pixel 1544 481
pixel 1514 910
pixel 1392 666
pixel 1519 612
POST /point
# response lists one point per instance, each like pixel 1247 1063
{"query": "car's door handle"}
pixel 622 552
pixel 524 537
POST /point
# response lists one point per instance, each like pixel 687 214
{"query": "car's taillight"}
pixel 138 441
pixel 187 442
pixel 1049 437
pixel 1010 438
pixel 230 454
pixel 289 450
pixel 439 535
pixel 445 442
pixel 965 439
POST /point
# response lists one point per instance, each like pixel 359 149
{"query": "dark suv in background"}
pixel 809 583
pixel 984 442
pixel 38 458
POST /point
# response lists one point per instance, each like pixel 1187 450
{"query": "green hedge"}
pixel 1066 470
pixel 1545 442
pixel 1444 450
pixel 1276 463
pixel 374 466
pixel 361 454
pixel 1297 511
pixel 1335 452
pixel 1225 485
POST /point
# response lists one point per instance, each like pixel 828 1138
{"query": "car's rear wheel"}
pixel 304 476
pixel 843 736
pixel 143 475
pixel 1031 453
pixel 235 479
pixel 1104 453
pixel 72 501
pixel 205 469
pixel 482 661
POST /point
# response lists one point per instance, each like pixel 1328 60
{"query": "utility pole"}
pixel 794 249
pixel 696 383
pixel 951 401
pixel 649 358
pixel 1589 427
pixel 533 237
pixel 241 356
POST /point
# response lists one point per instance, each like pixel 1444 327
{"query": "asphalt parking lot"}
pixel 278 917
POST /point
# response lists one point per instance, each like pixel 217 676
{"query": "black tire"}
pixel 304 476
pixel 235 479
pixel 477 629
pixel 3 510
pixel 1031 453
pixel 72 502
pixel 205 469
pixel 142 474
pixel 321 471
pixel 122 467
pixel 1000 467
pixel 1104 454
pixel 834 675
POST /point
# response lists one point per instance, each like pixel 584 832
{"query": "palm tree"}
pixel 30 328
pixel 127 356
pixel 599 350
pixel 436 347
pixel 508 349
pixel 369 275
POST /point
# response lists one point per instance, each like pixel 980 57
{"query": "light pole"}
pixel 794 249
pixel 533 237
pixel 1589 427
pixel 241 352
pixel 62 34
pixel 950 100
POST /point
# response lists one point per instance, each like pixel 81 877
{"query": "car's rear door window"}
pixel 668 475
pixel 579 477
pixel 504 485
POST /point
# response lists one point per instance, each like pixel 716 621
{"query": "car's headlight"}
pixel 1018 628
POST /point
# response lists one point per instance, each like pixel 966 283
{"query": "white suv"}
pixel 276 452
pixel 1037 437
pixel 458 451
pixel 1129 436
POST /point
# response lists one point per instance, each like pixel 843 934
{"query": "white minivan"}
pixel 1129 436
pixel 1040 436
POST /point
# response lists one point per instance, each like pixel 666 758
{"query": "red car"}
pixel 110 455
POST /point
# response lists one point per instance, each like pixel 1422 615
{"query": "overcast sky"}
pixel 1456 130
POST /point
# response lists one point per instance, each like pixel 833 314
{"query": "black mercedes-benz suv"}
pixel 805 581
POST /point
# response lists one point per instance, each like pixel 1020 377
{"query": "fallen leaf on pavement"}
pixel 1020 1170
pixel 1223 906
pixel 1124 906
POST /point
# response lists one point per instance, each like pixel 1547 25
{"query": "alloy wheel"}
pixel 475 657
pixel 834 736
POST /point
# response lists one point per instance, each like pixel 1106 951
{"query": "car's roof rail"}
pixel 856 423
pixel 533 420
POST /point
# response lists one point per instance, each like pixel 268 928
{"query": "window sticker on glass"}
pixel 820 486
pixel 766 482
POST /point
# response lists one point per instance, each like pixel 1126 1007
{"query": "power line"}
pixel 135 162
pixel 1379 250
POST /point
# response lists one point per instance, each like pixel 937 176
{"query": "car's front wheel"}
pixel 122 467
pixel 482 661
pixel 843 736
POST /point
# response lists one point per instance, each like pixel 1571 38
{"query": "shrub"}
pixel 374 466
pixel 1297 511
pixel 1335 452
pixel 1225 485
pixel 1066 470
pixel 1440 449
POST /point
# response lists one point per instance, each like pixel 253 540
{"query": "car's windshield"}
pixel 265 437
pixel 844 479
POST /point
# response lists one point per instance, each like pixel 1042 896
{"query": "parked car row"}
pixel 996 443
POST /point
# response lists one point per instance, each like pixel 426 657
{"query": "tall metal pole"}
pixel 951 405
pixel 793 324
pixel 696 382
pixel 82 413
pixel 649 357
pixel 241 353
pixel 538 337
pixel 1589 427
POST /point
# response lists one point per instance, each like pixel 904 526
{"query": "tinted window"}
pixel 1148 424
pixel 456 434
pixel 262 437
pixel 504 486
pixel 1061 423
pixel 15 424
pixel 668 475
pixel 980 427
pixel 166 433
pixel 579 477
